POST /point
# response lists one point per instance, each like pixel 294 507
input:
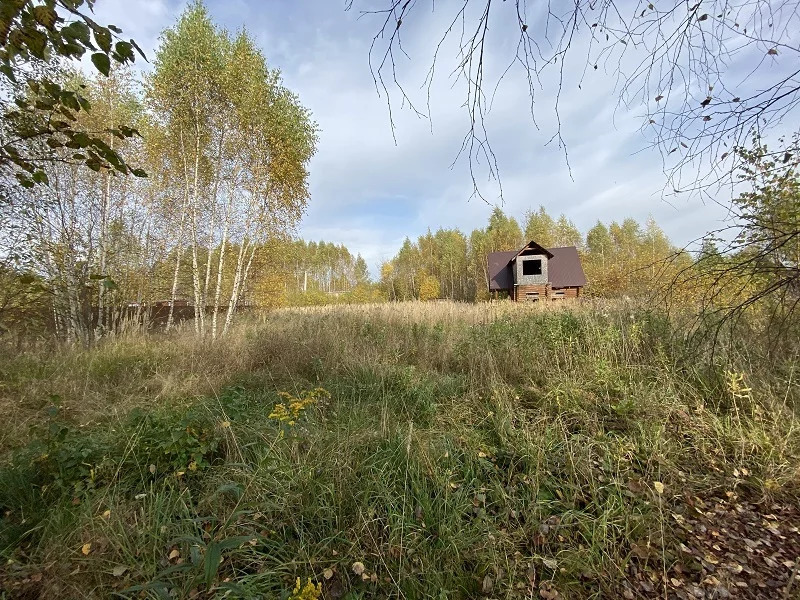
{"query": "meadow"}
pixel 405 450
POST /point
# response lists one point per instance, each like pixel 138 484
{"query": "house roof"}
pixel 536 248
pixel 500 276
pixel 563 269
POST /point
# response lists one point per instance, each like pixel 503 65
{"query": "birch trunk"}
pixel 218 290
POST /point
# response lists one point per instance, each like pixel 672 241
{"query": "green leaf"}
pixel 102 62
pixel 45 16
pixel 125 51
pixel 211 562
pixel 36 41
pixel 103 38
pixel 69 100
pixel 79 31
pixel 8 72
pixel 138 49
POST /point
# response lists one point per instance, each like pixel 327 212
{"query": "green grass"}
pixel 464 451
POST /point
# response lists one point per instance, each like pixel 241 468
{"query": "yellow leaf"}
pixel 659 487
pixel 174 554
pixel 225 424
pixel 107 514
pixel 86 548
pixel 358 568
pixel 327 573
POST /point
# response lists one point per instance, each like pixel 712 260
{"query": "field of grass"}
pixel 403 451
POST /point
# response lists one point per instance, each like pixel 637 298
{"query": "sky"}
pixel 371 185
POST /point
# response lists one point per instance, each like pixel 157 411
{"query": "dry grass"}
pixel 453 434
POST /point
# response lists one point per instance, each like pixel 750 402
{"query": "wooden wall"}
pixel 520 292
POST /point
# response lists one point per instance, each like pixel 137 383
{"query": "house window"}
pixel 558 295
pixel 532 267
pixel 531 296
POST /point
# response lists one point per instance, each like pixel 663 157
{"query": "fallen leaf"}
pixel 358 568
pixel 658 486
pixel 175 553
pixel 107 514
pixel 86 548
pixel 550 563
pixel 487 585
pixel 119 570
pixel 327 573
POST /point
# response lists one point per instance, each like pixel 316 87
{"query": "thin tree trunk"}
pixel 218 291
pixel 176 273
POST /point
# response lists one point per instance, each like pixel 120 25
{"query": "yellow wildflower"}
pixel 290 411
pixel 309 591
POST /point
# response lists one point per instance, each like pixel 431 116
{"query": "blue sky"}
pixel 370 192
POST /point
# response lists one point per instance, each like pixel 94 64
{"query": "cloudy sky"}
pixel 369 191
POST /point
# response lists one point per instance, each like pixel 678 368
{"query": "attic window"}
pixel 532 267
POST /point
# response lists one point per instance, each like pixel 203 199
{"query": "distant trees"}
pixel 619 259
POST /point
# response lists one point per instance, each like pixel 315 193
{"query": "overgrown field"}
pixel 404 451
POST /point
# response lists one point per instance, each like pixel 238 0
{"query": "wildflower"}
pixel 309 591
pixel 290 411
pixel 737 386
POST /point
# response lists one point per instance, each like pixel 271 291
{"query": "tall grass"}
pixel 464 450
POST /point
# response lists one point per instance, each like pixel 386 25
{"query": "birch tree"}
pixel 239 143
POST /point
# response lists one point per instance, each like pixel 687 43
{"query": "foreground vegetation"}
pixel 412 450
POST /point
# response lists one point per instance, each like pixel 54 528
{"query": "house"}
pixel 536 273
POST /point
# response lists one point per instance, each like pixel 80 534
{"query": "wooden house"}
pixel 535 273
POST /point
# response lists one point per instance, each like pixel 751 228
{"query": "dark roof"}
pixel 500 276
pixel 563 269
pixel 536 248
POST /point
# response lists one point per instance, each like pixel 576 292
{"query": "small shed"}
pixel 536 273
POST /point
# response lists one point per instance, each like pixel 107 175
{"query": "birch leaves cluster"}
pixel 226 148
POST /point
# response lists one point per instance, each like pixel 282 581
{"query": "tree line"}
pixel 619 258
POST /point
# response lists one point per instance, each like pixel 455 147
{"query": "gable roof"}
pixel 535 247
pixel 563 269
pixel 500 276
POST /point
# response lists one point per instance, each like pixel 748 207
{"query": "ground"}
pixel 403 451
